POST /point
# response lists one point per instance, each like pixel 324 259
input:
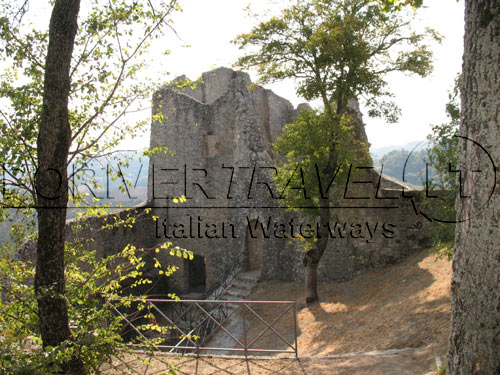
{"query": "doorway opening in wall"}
pixel 254 242
pixel 197 276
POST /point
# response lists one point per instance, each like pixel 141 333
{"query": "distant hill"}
pixel 404 162
pixel 136 173
pixel 405 166
pixel 378 152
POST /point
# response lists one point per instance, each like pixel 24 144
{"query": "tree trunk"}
pixel 311 284
pixel 475 332
pixel 313 256
pixel 51 180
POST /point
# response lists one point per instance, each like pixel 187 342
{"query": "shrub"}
pixel 94 293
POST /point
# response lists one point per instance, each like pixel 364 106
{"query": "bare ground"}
pixel 404 306
pixel 400 306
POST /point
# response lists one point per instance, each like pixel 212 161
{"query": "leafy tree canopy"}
pixel 108 56
pixel 305 144
pixel 108 82
pixel 63 100
pixel 338 50
pixel 443 156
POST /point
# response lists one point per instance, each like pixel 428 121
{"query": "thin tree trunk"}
pixel 475 331
pixel 311 283
pixel 51 180
pixel 313 256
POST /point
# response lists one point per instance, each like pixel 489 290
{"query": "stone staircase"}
pixel 242 286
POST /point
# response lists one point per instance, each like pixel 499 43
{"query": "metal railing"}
pixel 190 320
pixel 207 319
pixel 192 326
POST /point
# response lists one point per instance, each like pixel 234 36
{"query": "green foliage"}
pixel 16 227
pixel 442 156
pixel 108 81
pixel 444 143
pixel 441 182
pixel 397 5
pixel 305 146
pixel 94 289
pixel 338 50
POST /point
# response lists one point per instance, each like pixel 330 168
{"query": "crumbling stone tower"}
pixel 219 137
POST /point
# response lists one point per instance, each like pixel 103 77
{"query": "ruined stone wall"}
pixel 217 132
pixel 105 242
pixel 220 136
pixel 94 234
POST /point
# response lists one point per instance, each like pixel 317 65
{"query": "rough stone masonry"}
pixel 219 135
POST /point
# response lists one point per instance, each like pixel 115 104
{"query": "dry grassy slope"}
pixel 404 305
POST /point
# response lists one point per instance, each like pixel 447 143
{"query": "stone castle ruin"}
pixel 219 137
pixel 220 134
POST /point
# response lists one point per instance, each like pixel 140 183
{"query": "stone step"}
pixel 240 284
pixel 252 274
pixel 241 287
pixel 192 295
pixel 248 278
pixel 233 298
pixel 236 292
pixel 233 306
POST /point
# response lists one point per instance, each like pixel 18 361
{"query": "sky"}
pixel 209 26
pixel 205 28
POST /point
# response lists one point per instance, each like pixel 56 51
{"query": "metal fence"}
pixel 202 326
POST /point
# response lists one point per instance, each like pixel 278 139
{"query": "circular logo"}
pixel 439 199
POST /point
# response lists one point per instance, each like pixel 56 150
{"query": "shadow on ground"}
pixel 399 306
pixel 396 307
